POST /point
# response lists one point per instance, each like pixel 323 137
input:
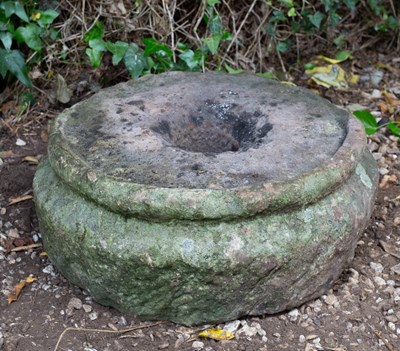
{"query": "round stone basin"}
pixel 201 198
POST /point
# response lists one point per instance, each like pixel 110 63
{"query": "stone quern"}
pixel 204 197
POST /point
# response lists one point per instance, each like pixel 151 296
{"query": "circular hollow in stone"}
pixel 217 195
pixel 167 147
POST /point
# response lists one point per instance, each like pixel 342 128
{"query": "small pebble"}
pixel 302 338
pixel 75 303
pixel 87 308
pixel 379 281
pixel 232 326
pixel 198 345
pixel 93 316
pixel 330 299
pixel 392 326
pixel 48 269
pixel 377 267
pixel 20 142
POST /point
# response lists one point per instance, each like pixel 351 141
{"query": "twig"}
pixel 379 336
pixel 26 247
pixel 103 331
pixel 20 199
pixel 239 29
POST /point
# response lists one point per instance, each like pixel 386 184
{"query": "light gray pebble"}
pixel 377 267
pixel 198 345
pixel 49 269
pixel 93 316
pixel 379 281
pixel 75 303
pixel 87 308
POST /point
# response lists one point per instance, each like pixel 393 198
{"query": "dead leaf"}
pixel 15 200
pixel 387 181
pixel 43 254
pixel 383 107
pixel 63 93
pixel 30 159
pixel 216 334
pixel 390 99
pixel 13 244
pixel 18 288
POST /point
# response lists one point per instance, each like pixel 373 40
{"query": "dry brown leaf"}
pixel 18 288
pixel 383 107
pixel 390 99
pixel 13 243
pixel 387 181
pixel 15 200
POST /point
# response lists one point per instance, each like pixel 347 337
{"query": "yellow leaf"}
pixel 35 16
pixel 216 334
pixel 329 76
pixel 43 254
pixel 333 61
pixel 30 159
pixel 18 288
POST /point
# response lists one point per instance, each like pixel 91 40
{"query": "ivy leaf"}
pixel 394 129
pixel 135 61
pixel 30 35
pixel 231 70
pixel 118 50
pixel 96 32
pixel 14 7
pixel 351 4
pixel 6 39
pixel 316 19
pixel 292 12
pixel 192 60
pixel 13 61
pixel 95 57
pixel 152 46
pixel 343 55
pixel 47 17
pixel 368 120
pixel 97 44
pixel 213 42
pixel 283 46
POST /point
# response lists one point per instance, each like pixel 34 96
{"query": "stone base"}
pixel 204 271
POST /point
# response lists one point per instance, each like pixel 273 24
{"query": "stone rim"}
pixel 158 203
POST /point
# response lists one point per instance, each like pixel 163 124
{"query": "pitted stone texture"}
pixel 141 131
pixel 202 198
pixel 198 146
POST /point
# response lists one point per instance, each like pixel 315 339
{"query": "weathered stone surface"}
pixel 120 147
pixel 202 247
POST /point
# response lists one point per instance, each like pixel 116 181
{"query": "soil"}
pixel 361 311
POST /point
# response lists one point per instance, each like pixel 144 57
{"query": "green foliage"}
pixel 156 57
pixel 323 18
pixel 371 125
pixel 22 28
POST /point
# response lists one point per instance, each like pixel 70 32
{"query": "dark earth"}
pixel 361 312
